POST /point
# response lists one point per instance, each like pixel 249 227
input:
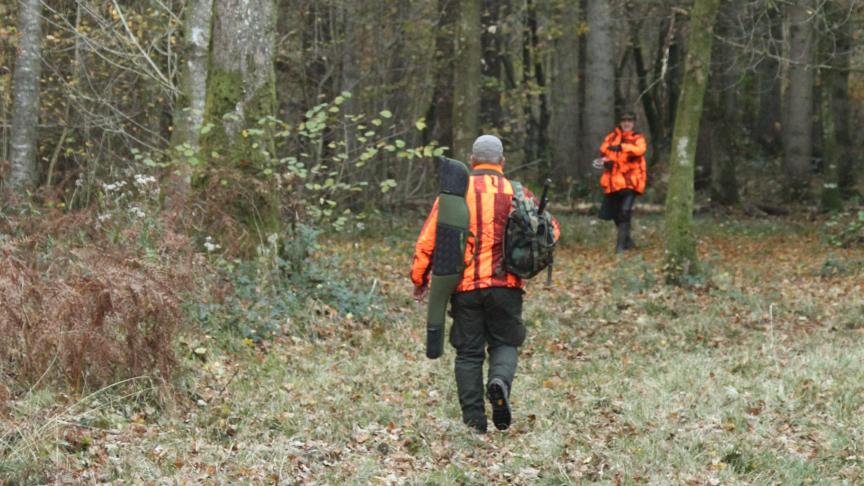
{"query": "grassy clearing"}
pixel 751 376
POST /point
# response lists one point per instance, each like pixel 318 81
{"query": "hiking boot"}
pixel 497 393
pixel 623 236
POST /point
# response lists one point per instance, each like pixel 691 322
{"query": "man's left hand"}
pixel 420 293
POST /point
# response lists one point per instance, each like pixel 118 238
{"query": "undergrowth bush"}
pixel 88 299
pixel 281 290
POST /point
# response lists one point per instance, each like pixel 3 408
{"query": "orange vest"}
pixel 489 198
pixel 628 169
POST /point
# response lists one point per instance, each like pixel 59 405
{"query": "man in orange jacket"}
pixel 624 176
pixel 487 304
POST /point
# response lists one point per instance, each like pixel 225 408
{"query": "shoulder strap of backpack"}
pixel 485 172
pixel 518 193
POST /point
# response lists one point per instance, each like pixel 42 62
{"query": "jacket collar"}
pixel 494 167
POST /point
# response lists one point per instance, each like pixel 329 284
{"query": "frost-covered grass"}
pixel 750 376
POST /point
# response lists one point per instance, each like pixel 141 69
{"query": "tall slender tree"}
pixel 681 258
pixel 726 130
pixel 5 80
pixel 798 101
pixel 564 100
pixel 25 96
pixel 840 52
pixel 467 78
pixel 189 109
pixel 768 80
pixel 599 112
pixel 240 95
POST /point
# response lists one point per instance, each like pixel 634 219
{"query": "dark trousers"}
pixel 618 206
pixel 485 320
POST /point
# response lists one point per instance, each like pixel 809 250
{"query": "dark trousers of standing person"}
pixel 485 320
pixel 618 207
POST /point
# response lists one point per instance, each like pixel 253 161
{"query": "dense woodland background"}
pixel 123 87
pixel 186 181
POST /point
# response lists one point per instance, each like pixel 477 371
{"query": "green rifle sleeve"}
pixel 448 258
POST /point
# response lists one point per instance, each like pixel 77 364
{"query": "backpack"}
pixel 529 239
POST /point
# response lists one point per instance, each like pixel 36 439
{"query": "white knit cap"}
pixel 488 148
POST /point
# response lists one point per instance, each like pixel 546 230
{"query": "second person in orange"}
pixel 624 176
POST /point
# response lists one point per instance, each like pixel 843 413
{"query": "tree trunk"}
pixel 189 110
pixel 831 198
pixel 834 108
pixel 189 114
pixel 798 112
pixel 599 112
pixel 241 93
pixel 536 106
pixel 768 88
pixel 649 102
pixel 568 165
pixel 840 102
pixel 724 183
pixel 491 111
pixel 681 258
pixel 441 108
pixel 5 80
pixel 25 96
pixel 467 79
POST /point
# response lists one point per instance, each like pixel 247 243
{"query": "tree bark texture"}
pixel 798 109
pixel 681 257
pixel 564 101
pixel 599 112
pixel 240 93
pixel 25 96
pixel 240 85
pixel 5 79
pixel 189 108
pixel 467 79
pixel 189 113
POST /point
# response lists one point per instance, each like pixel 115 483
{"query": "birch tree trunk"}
pixel 564 94
pixel 240 93
pixel 25 96
pixel 599 113
pixel 798 112
pixel 466 80
pixel 189 112
pixel 681 258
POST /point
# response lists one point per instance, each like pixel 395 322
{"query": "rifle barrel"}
pixel 544 198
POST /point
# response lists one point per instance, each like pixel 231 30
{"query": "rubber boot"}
pixel 629 244
pixel 623 236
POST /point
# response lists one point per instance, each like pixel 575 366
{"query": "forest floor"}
pixel 752 375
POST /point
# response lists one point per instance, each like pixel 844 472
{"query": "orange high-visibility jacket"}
pixel 628 169
pixel 489 197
